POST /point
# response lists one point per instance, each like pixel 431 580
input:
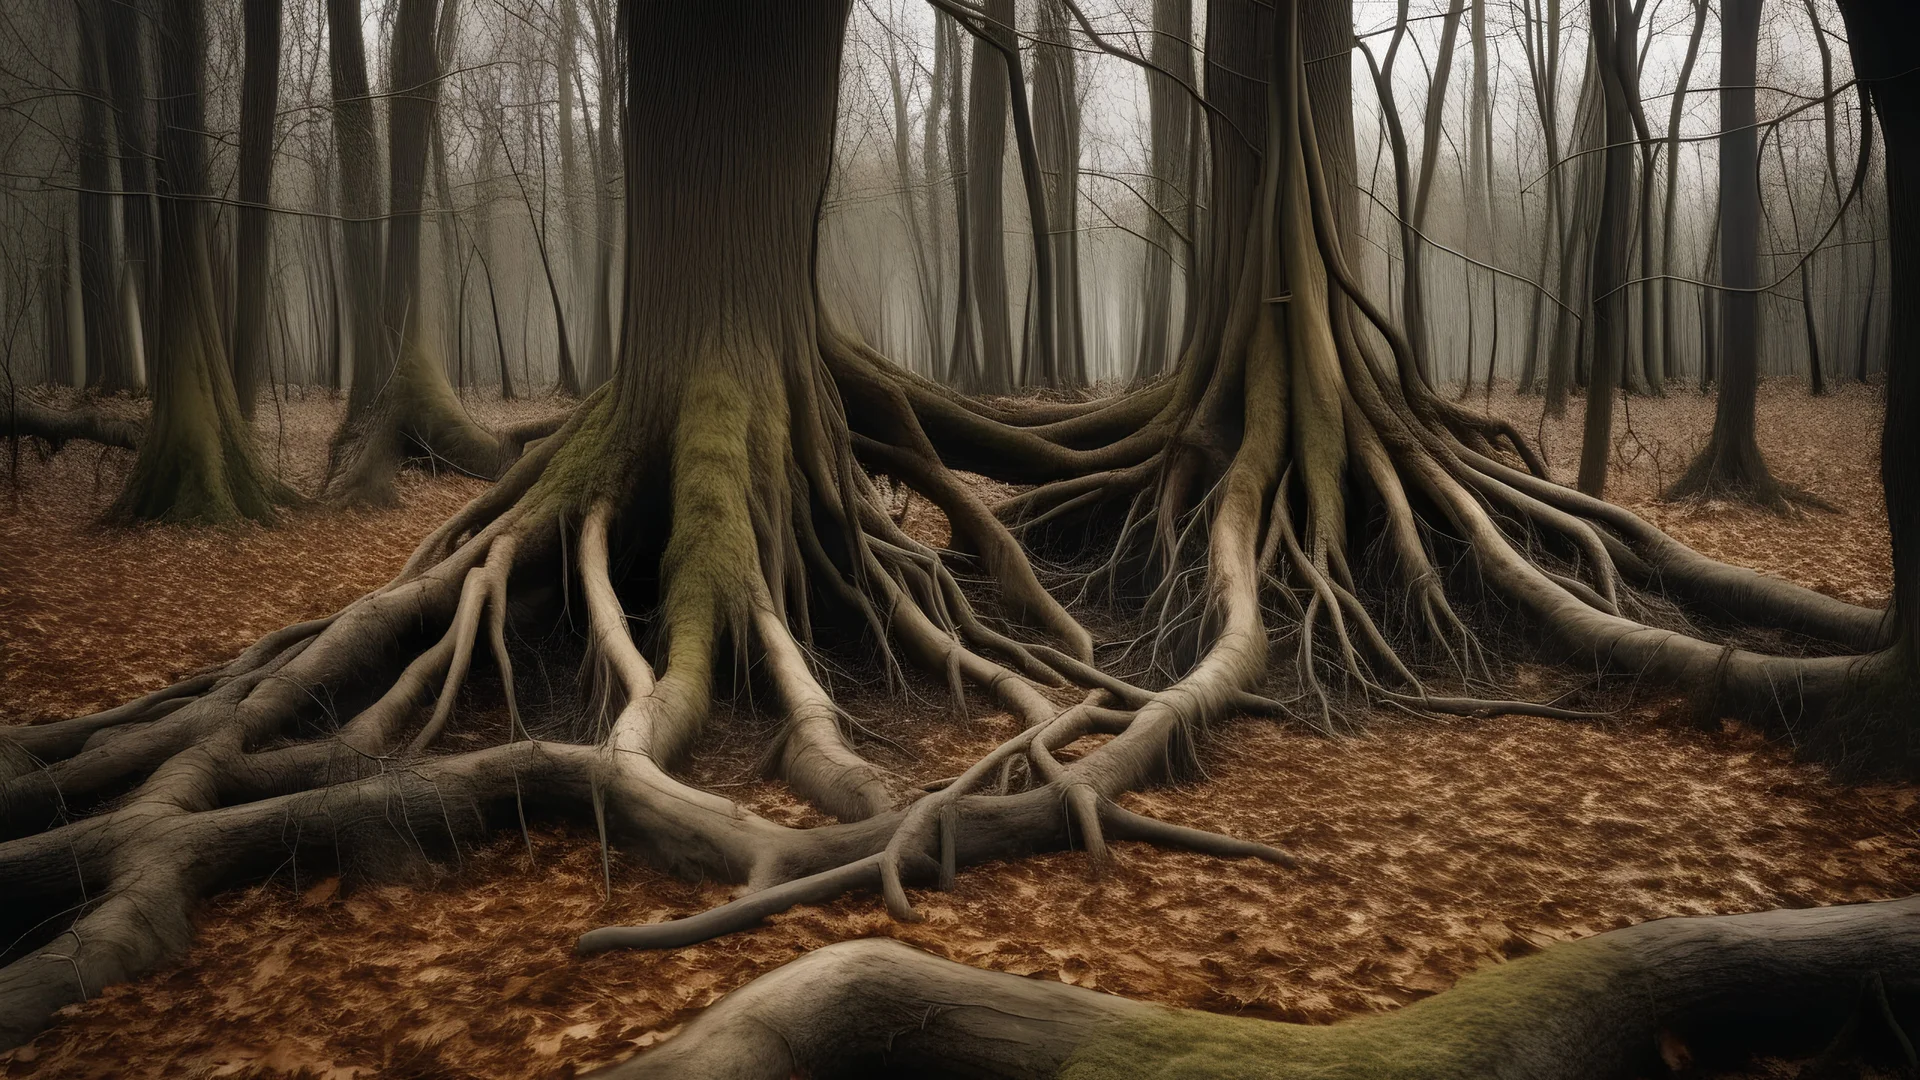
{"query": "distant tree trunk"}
pixel 108 362
pixel 353 140
pixel 1056 113
pixel 910 208
pixel 1613 52
pixel 963 362
pixel 1433 126
pixel 1710 303
pixel 1816 378
pixel 197 462
pixel 413 409
pixel 259 102
pixel 126 75
pixel 1168 136
pixel 1880 36
pixel 610 151
pixel 1816 375
pixel 987 142
pixel 1479 181
pixel 1580 199
pixel 1540 39
pixel 936 168
pixel 1862 353
pixel 1731 466
pixel 1648 375
pixel 447 224
pixel 1669 322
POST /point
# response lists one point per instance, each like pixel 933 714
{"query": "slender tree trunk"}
pixel 986 146
pixel 1613 51
pixel 1056 128
pixel 1581 201
pixel 1647 374
pixel 936 167
pixel 963 364
pixel 125 31
pixel 353 140
pixel 1669 314
pixel 1731 465
pixel 259 103
pixel 910 209
pixel 109 365
pixel 1831 130
pixel 1168 136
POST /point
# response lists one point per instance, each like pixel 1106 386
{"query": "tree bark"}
pixel 109 364
pixel 993 369
pixel 127 75
pixel 259 104
pixel 1669 315
pixel 1731 466
pixel 197 463
pixel 1614 56
pixel 358 153
pixel 1168 133
pixel 1877 34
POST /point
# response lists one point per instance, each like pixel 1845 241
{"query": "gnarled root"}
pixel 1597 1007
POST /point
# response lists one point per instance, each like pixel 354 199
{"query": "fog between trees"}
pixel 525 177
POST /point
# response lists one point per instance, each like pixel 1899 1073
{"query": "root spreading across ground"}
pixel 1429 849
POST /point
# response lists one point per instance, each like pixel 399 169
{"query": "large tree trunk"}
pixel 259 102
pixel 197 463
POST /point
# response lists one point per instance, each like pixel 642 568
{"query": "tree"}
pixel 1730 465
pixel 1170 135
pixel 1613 51
pixel 197 461
pixel 990 362
pixel 259 101
pixel 720 488
pixel 1669 307
pixel 1056 111
pixel 401 404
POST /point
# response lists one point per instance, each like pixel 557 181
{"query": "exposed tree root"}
pixel 1598 1007
pixel 1293 492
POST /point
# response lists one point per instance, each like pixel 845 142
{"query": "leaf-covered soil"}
pixel 1430 849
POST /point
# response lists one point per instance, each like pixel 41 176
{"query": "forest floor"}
pixel 1430 848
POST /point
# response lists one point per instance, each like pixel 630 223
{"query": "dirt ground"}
pixel 1430 849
